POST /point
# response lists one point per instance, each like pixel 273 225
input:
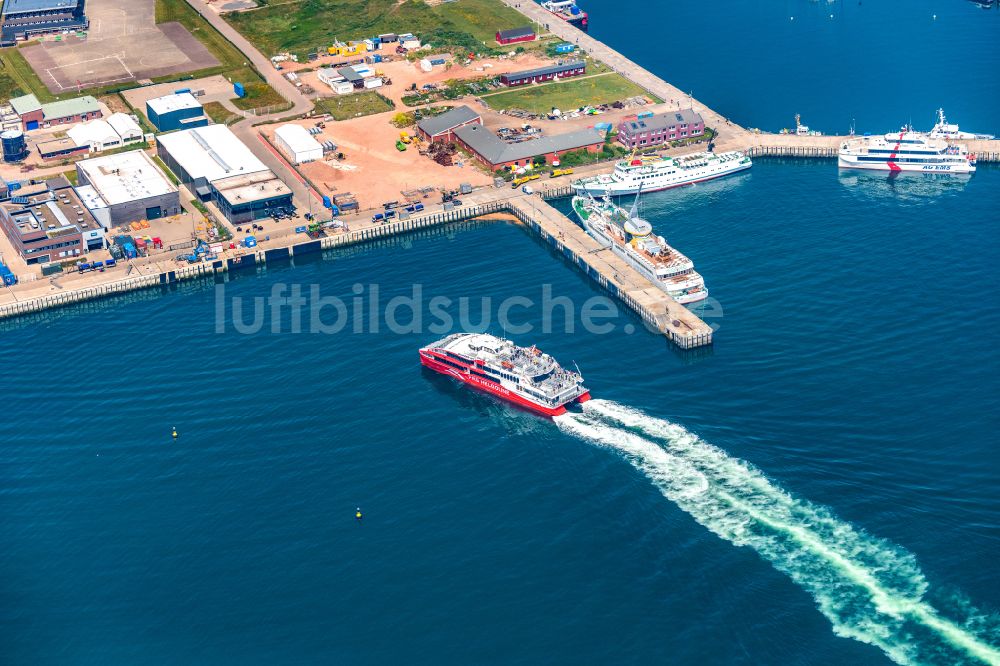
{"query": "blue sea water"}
pixel 876 63
pixel 821 487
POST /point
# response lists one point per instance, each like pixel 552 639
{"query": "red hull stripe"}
pixel 488 386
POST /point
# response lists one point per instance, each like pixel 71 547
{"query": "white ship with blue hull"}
pixel 654 172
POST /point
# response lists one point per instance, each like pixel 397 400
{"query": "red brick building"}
pixel 515 35
pixel 542 74
pixel 640 132
pixel 442 127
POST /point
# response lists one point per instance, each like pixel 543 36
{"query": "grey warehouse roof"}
pixel 514 33
pixel 17 6
pixel 663 121
pixel 448 120
pixel 542 71
pixel 495 151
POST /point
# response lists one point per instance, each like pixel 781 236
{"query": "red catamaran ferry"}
pixel 521 375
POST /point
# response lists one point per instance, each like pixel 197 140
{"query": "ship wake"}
pixel 869 589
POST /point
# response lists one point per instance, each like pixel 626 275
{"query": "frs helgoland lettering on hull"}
pixel 523 376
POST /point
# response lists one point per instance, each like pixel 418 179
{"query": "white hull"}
pixel 957 167
pixel 616 185
pixel 674 290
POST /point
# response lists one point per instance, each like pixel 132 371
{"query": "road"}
pixel 244 128
pixel 730 134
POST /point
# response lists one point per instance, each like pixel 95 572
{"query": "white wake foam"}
pixel 869 589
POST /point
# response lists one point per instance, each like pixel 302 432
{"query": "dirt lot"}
pixel 374 170
pixel 404 73
pixel 123 44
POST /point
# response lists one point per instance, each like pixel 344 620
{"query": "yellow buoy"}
pixel 357 514
pixel 175 433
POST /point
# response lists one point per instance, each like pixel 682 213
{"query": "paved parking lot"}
pixel 123 44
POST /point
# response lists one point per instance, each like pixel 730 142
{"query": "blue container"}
pixel 250 241
pixel 327 202
pixel 6 276
pixel 334 210
pixel 377 58
pixel 565 48
pixel 110 262
pixel 180 91
pixel 239 90
pixel 129 250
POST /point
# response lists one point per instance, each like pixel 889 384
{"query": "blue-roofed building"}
pixel 176 111
pixel 26 19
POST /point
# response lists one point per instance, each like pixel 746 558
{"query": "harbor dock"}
pixel 660 312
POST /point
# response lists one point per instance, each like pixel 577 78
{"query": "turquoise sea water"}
pixel 819 488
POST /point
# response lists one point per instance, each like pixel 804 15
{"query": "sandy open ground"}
pixel 374 170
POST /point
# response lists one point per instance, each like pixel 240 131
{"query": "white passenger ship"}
pixel 631 238
pixel 945 130
pixel 906 150
pixel 652 173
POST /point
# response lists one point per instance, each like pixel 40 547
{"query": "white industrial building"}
pixel 125 187
pixel 219 167
pixel 297 143
pixel 333 78
pixel 126 127
pixel 97 134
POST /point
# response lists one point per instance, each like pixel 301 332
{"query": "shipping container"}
pixel 239 90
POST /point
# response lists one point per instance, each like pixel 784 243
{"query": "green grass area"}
pixel 232 64
pixel 350 106
pixel 71 176
pixel 17 78
pixel 220 114
pixel 166 170
pixel 311 25
pixel 202 208
pixel 567 95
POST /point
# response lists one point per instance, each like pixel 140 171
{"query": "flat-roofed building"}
pixel 298 144
pixel 25 19
pixel 130 186
pixel 51 224
pixel 175 111
pixel 203 157
pixel 60 149
pixel 251 196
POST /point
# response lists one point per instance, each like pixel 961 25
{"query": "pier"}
pixel 660 312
